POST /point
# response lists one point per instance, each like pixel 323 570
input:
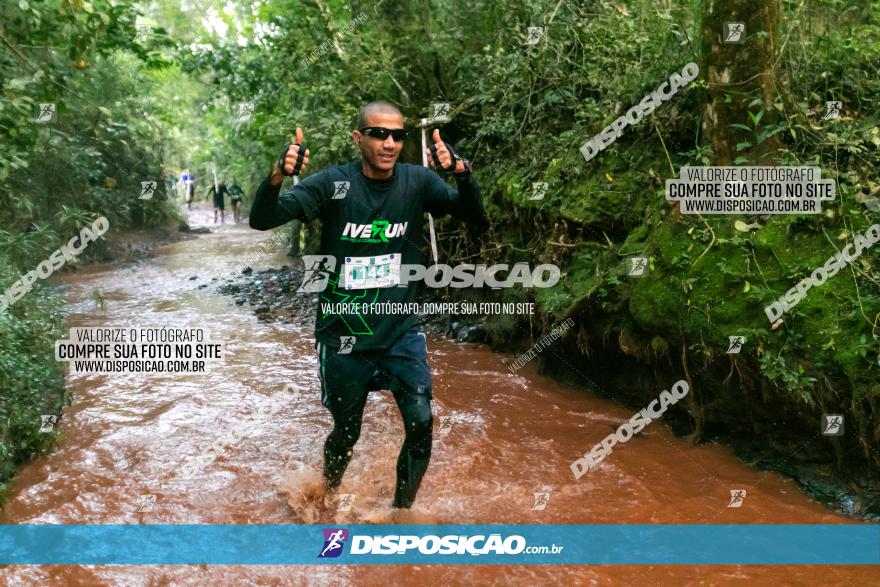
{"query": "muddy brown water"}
pixel 509 436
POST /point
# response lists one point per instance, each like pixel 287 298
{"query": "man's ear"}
pixel 356 137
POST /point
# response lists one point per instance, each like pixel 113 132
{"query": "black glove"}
pixel 437 165
pixel 299 159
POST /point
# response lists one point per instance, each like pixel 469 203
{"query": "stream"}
pixel 504 437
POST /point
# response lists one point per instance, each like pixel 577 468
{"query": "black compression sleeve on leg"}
pixel 416 451
pixel 338 450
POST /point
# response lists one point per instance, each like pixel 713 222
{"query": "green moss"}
pixel 653 306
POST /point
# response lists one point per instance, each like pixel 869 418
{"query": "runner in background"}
pixel 219 201
pixel 236 194
pixel 189 186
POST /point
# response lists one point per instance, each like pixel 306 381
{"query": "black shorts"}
pixel 236 201
pixel 346 379
pixel 218 203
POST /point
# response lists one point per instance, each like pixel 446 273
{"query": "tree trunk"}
pixel 737 75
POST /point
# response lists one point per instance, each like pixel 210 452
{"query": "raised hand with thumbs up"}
pixel 293 161
pixel 442 158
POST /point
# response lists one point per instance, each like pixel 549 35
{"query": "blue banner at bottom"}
pixel 599 544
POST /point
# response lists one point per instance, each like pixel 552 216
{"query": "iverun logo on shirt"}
pixel 377 232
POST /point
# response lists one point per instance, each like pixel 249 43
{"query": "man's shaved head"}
pixel 378 155
pixel 378 107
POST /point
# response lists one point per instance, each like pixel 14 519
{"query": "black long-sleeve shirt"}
pixel 364 222
pixel 218 194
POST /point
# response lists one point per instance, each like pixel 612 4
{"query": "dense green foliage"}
pixel 111 131
pixel 31 384
pixel 522 111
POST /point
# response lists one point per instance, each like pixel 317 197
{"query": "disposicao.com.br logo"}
pixel 451 544
pixel 334 542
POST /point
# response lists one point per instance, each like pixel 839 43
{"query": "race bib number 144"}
pixel 370 272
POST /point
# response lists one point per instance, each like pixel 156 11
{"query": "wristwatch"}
pixel 467 169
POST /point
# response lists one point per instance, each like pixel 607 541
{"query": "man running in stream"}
pixel 371 214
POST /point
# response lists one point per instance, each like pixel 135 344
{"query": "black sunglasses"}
pixel 381 133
